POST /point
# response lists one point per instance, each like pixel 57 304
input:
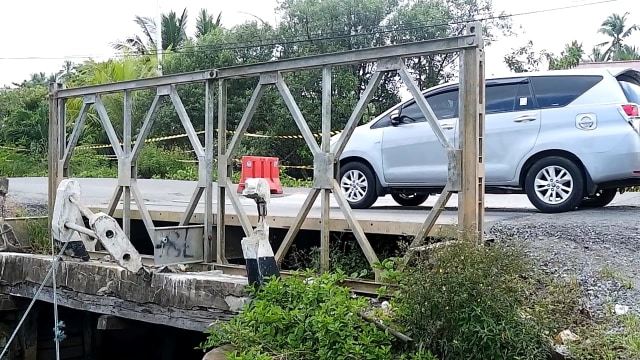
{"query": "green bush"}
pixel 465 301
pixel 89 164
pixel 18 164
pixel 293 319
pixel 157 163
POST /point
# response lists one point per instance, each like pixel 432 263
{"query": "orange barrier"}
pixel 267 168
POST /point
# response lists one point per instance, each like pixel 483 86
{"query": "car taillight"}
pixel 631 110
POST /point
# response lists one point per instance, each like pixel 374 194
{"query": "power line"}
pixel 283 41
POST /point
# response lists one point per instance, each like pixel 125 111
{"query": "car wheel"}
pixel 554 184
pixel 410 199
pixel 358 185
pixel 599 199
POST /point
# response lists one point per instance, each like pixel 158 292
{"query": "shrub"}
pixel 292 319
pixel 17 163
pixel 88 164
pixel 155 162
pixel 466 302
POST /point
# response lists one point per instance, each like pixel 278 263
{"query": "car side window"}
pixel 500 98
pixel 524 98
pixel 444 105
pixel 559 91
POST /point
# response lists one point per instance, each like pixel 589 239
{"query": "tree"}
pixel 205 23
pixel 597 55
pixel 423 20
pixel 628 53
pixel 569 58
pixel 36 79
pixel 524 59
pixel 24 117
pixel 173 34
pixel 113 70
pixel 615 27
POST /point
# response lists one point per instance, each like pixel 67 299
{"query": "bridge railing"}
pixel 200 243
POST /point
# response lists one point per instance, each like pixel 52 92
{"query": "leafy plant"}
pixel 466 301
pixel 304 317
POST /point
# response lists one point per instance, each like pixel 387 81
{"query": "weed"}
pixel 466 301
pixel 313 318
pixel 38 233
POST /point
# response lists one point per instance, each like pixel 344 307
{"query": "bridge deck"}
pixel 168 199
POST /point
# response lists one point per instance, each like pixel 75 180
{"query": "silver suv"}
pixel 566 138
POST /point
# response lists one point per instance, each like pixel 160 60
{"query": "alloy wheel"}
pixel 553 184
pixel 354 184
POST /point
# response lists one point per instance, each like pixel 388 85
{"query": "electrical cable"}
pixel 280 41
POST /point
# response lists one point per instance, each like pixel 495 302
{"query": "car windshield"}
pixel 632 91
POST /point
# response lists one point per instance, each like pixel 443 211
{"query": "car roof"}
pixel 604 71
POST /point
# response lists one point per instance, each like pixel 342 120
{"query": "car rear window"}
pixel 631 91
pixel 558 91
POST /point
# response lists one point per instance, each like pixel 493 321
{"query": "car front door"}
pixel 512 125
pixel 411 152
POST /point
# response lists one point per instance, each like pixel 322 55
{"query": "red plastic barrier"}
pixel 267 168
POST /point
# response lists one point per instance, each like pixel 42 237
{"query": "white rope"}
pixel 33 301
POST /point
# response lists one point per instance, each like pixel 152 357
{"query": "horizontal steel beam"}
pixel 418 48
pixel 138 84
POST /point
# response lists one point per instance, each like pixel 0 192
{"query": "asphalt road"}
pixel 176 194
pixel 98 191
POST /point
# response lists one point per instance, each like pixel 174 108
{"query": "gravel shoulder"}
pixel 598 246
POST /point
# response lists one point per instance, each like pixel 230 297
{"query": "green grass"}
pixel 38 232
pixel 154 163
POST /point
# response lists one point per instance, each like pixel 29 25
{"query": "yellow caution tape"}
pixel 12 148
pixel 177 136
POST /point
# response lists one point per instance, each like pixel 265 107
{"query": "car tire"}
pixel 409 199
pixel 601 198
pixel 358 184
pixel 557 179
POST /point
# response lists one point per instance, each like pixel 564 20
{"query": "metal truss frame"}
pixel 62 148
pixel 466 168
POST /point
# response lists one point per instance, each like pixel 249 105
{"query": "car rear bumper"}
pixel 612 166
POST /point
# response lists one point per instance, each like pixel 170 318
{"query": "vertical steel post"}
pixel 126 147
pixel 471 198
pixel 223 172
pixel 325 200
pixel 208 157
pixel 56 143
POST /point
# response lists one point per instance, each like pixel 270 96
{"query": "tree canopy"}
pixel 305 27
pixel 615 26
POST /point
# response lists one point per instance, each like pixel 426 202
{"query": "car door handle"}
pixel 448 126
pixel 524 118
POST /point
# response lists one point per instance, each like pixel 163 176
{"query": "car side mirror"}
pixel 395 117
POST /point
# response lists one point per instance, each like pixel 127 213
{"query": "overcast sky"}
pixel 39 35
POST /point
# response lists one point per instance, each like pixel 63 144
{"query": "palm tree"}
pixel 173 34
pixel 205 23
pixel 174 30
pixel 596 55
pixel 36 79
pixel 614 26
pixel 629 53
